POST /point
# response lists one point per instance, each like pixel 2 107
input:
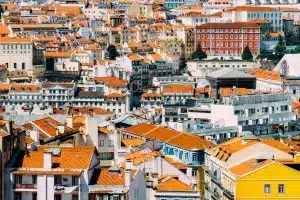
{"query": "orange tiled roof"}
pixel 180 139
pixel 150 94
pixel 115 95
pixel 29 140
pixel 223 151
pixel 177 88
pixel 15 40
pixel 111 81
pixel 265 74
pixel 141 156
pixel 61 54
pixel 249 166
pixel 104 130
pixel 132 142
pixel 178 165
pixel 106 177
pixel 4 86
pixel 78 121
pixel 30 26
pixel 48 172
pixel 87 111
pixel 4 30
pixel 77 157
pixel 173 185
pixel 49 126
pixel 134 58
pixel 25 88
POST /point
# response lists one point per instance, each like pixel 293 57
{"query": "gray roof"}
pixel 229 73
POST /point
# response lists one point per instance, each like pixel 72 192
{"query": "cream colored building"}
pixel 16 53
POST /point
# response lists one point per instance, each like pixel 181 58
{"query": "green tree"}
pixel 247 55
pixel 182 62
pixel 296 50
pixel 280 47
pixel 198 53
pixel 112 52
pixel 1 12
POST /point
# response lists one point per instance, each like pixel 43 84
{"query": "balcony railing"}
pixel 217 181
pixel 25 186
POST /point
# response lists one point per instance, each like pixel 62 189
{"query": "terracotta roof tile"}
pixel 173 185
pixel 172 137
pixel 111 81
pixel 177 89
pixel 249 166
pixel 49 126
pixel 77 157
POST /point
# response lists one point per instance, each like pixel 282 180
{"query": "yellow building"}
pixel 264 179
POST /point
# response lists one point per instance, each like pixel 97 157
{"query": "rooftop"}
pixel 166 135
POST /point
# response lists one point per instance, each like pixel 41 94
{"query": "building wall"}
pixel 16 56
pixel 228 42
pixel 273 174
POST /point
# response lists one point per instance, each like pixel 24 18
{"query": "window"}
pixel 17 196
pixel 57 197
pixel 106 156
pixel 34 179
pixel 57 180
pixel 101 143
pixel 34 196
pixel 74 180
pixel 110 143
pixel 18 179
pixel 15 65
pixel 75 197
pixel 195 157
pixel 116 197
pixel 194 172
pixel 267 189
pixel 281 188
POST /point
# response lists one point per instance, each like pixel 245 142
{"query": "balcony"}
pixel 25 186
pixel 217 181
pixel 65 188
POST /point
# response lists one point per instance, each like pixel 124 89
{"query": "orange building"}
pixel 228 39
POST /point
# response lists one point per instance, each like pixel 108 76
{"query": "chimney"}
pixel 47 160
pixel 61 129
pixel 149 188
pixel 128 168
pixel 155 178
pixel 34 134
pixel 69 121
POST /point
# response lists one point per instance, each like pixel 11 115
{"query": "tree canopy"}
pixel 280 47
pixel 198 53
pixel 247 55
pixel 112 52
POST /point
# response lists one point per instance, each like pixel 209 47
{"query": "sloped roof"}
pixel 228 73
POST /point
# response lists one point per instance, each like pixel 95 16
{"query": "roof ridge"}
pixel 156 127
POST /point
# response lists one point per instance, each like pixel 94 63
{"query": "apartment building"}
pixel 227 40
pixel 225 178
pixel 248 13
pixel 255 113
pixel 264 2
pixel 52 173
pixel 184 147
pixel 199 69
pixel 273 185
pixel 267 80
pixel 16 53
pixel 171 4
pixel 12 141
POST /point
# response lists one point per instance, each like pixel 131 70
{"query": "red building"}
pixel 228 39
